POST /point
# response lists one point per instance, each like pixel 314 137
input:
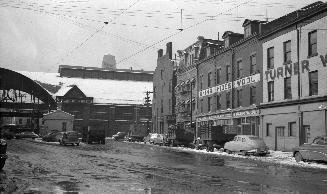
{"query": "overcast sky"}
pixel 41 35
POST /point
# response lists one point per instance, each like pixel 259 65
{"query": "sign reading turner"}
pixel 228 85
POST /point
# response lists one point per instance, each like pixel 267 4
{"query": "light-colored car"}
pixel 26 134
pixel 155 138
pixel 315 151
pixel 246 144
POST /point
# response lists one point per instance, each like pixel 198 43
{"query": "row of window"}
pixel 239 72
pixel 280 130
pixel 287 50
pixel 313 87
pixel 239 99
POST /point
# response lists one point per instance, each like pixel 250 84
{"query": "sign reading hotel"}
pixel 228 86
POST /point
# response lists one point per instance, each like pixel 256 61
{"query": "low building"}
pixel 57 120
pixel 294 105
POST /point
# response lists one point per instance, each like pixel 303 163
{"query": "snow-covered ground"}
pixel 277 157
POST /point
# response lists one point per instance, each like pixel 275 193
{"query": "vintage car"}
pixel 315 151
pixel 246 144
pixel 3 151
pixel 69 137
pixel 26 134
pixel 52 136
pixel 155 138
pixel 119 136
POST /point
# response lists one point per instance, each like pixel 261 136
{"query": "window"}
pixel 201 106
pixel 268 129
pixel 253 64
pixel 209 79
pixel 20 121
pixel 218 102
pixel 270 58
pixel 253 94
pixel 280 131
pixel 170 85
pixel 287 51
pixel 228 100
pixel 313 83
pixel 218 75
pixel 312 43
pixel 64 126
pixel 287 88
pixel 239 68
pixel 161 73
pixel 270 91
pixel 291 129
pixel 227 42
pixel 228 73
pixel 201 82
pixel 169 105
pixel 161 106
pixel 239 97
pixel 209 103
pixel 247 31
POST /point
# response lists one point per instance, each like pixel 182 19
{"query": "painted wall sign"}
pixel 229 115
pixel 290 69
pixel 228 86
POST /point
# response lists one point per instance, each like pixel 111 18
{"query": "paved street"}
pixel 120 167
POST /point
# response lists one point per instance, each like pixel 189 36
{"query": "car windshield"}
pixel 320 141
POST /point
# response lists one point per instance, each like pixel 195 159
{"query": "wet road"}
pixel 121 167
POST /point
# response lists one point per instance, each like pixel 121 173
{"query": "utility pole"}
pixel 147 103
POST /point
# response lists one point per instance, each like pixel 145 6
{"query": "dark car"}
pixel 119 136
pixel 3 151
pixel 69 137
pixel 9 131
pixel 26 134
pixel 52 137
pixel 315 151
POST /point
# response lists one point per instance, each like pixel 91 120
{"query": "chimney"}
pixel 160 53
pixel 169 50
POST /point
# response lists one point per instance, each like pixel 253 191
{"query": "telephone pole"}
pixel 147 103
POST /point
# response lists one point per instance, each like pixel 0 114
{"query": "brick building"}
pixel 295 78
pixel 229 86
pixel 164 81
pixel 186 88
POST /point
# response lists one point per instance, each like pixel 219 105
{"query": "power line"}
pixel 174 34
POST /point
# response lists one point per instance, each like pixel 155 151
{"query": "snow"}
pixel 276 157
pixel 102 90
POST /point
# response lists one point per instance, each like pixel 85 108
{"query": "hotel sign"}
pixel 228 86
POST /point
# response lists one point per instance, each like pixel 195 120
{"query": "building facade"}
pixel 57 120
pixel 294 105
pixel 186 88
pixel 229 86
pixel 164 81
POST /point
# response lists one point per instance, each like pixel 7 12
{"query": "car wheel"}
pixel 227 151
pixel 244 153
pixel 298 157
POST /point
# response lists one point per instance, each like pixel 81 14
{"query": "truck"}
pixel 95 135
pixel 178 135
pixel 137 132
pixel 214 137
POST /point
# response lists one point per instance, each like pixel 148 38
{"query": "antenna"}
pixel 181 28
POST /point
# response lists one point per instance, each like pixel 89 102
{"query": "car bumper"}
pixel 258 152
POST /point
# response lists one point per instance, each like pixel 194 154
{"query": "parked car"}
pixel 69 137
pixel 315 151
pixel 119 136
pixel 155 138
pixel 52 137
pixel 246 144
pixel 9 131
pixel 26 134
pixel 3 153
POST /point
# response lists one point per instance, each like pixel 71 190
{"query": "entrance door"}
pixel 306 129
pixel 280 138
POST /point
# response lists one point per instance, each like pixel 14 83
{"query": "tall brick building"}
pixel 164 81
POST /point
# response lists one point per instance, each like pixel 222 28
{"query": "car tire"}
pixel 298 157
pixel 227 151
